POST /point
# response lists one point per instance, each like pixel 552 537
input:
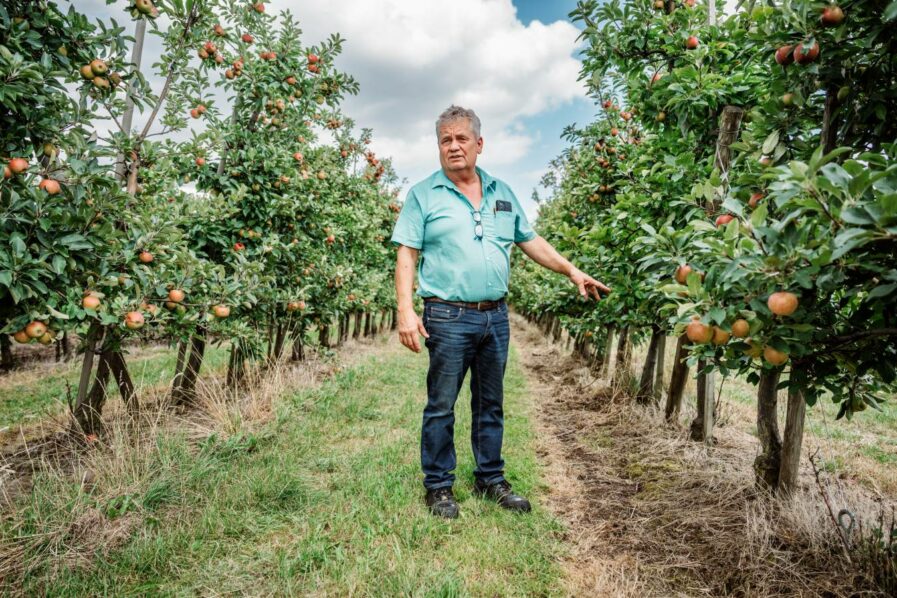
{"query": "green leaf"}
pixel 58 264
pixel 890 12
pixel 883 290
pixel 770 143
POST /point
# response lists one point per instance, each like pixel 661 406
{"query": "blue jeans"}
pixel 462 339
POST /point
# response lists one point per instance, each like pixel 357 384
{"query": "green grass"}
pixel 41 389
pixel 326 500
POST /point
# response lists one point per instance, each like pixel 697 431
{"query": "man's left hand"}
pixel 588 285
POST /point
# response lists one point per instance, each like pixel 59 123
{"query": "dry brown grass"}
pixel 51 488
pixel 650 513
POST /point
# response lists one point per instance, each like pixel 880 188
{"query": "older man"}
pixel 461 223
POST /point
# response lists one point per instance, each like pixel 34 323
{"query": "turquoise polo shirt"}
pixel 454 265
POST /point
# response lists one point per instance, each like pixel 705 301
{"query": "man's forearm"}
pixel 406 263
pixel 541 252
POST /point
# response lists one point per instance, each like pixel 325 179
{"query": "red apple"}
pixel 134 320
pixel 35 329
pixel 832 15
pixel 804 55
pixel 90 302
pixel 176 295
pixel 784 55
pixel 18 165
pixel 724 219
pixel 50 186
pixel 247 38
pixel 692 42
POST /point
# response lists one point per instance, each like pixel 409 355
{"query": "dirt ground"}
pixel 650 513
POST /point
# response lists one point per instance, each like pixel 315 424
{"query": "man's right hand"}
pixel 410 329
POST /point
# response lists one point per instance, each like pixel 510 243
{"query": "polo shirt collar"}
pixel 441 180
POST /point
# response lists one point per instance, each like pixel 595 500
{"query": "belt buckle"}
pixel 479 303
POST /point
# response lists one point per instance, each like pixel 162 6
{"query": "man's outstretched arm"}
pixel 541 252
pixel 410 324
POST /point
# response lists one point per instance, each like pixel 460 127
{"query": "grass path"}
pixel 327 500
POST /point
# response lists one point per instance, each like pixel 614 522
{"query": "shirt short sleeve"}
pixel 409 229
pixel 522 230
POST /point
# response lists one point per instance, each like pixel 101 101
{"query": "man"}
pixel 462 222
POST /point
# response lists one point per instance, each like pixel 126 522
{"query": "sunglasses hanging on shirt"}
pixel 478 227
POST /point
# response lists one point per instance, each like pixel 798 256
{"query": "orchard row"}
pixel 219 195
pixel 738 191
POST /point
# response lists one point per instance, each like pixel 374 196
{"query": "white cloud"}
pixel 413 58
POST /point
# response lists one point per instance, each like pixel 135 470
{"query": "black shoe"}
pixel 501 493
pixel 442 503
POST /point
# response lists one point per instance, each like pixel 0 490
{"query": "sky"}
pixel 514 62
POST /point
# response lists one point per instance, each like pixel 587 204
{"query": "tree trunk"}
pixel 368 323
pixel 90 346
pixel 340 329
pixel 768 462
pixel 324 336
pixel 186 392
pixel 621 367
pixel 88 412
pixel 646 383
pixel 702 426
pixel 121 168
pixel 393 319
pixel 729 124
pixel 794 435
pixel 6 358
pixel 119 369
pixel 66 346
pixel 605 357
pixel 236 368
pixel 677 381
pixel 279 339
pixel 829 135
pixel 356 333
pixel 179 367
pixel 661 364
pixel 298 353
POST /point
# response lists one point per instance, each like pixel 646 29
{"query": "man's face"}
pixel 458 146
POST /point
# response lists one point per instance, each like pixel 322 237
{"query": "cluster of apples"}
pixel 780 303
pixel 97 72
pixel 237 66
pixel 35 330
pixel 209 51
pixel 313 63
pixel 16 166
pixel 805 52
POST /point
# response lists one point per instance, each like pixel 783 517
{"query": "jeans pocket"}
pixel 440 312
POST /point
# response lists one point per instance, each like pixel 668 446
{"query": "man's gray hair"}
pixel 453 113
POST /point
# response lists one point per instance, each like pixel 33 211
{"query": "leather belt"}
pixel 479 305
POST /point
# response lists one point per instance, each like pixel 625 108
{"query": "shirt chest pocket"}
pixel 504 225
